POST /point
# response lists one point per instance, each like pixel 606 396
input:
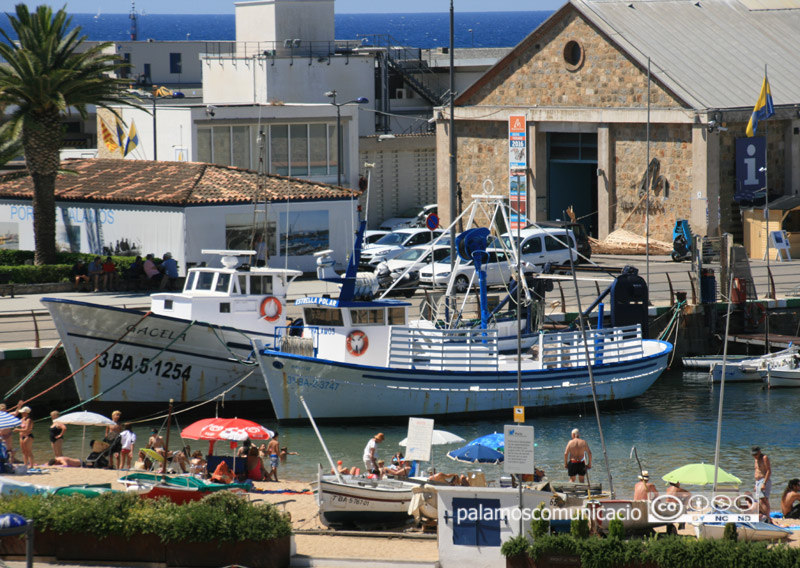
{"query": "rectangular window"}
pixel 323 317
pixel 175 63
pixel 279 149
pixel 222 283
pixel 224 307
pixel 222 145
pixel 318 149
pixel 243 283
pixel 298 142
pixel 189 281
pixel 367 317
pixel 167 304
pixel 204 280
pixel 397 316
pixel 241 146
pixel 204 145
pixel 333 158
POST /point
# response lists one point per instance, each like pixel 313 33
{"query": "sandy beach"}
pixel 301 507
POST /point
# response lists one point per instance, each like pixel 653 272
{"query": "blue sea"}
pixel 430 30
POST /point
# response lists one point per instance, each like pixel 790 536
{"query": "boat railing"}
pixel 610 345
pixel 444 349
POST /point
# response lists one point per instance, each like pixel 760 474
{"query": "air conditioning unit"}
pixel 402 94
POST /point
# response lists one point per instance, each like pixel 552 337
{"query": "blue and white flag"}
pixel 763 109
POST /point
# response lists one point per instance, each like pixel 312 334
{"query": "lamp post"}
pixel 360 100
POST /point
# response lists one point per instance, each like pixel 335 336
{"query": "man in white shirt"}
pixel 370 457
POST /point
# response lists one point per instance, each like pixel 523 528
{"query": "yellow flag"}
pixel 108 137
pixel 133 139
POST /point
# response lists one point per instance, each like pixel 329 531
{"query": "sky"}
pixel 341 6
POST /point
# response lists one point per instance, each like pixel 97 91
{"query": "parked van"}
pixel 578 230
pixel 541 246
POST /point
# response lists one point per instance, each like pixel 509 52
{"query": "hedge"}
pixel 13 263
pixel 221 516
pixel 665 552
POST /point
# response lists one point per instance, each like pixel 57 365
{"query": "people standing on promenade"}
pixel 127 440
pixel 25 430
pixel 763 487
pixel 274 452
pixel 790 500
pixel 57 430
pixel 575 456
pixel 370 451
pixel 644 490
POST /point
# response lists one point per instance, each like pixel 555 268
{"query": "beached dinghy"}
pixel 745 531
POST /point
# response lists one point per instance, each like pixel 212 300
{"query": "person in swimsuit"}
pixel 763 476
pixel 255 467
pixel 274 451
pixel 574 457
pixel 65 461
pixel 790 500
pixel 57 430
pixel 25 430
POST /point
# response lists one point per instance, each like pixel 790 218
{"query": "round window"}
pixel 573 55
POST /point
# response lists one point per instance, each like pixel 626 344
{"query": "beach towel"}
pixel 222 474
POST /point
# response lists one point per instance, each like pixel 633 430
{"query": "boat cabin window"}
pixel 322 316
pixel 397 316
pixel 260 285
pixel 167 304
pixel 189 281
pixel 367 316
pixel 223 280
pixel 204 280
pixel 224 307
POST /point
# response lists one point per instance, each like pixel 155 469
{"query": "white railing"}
pixel 612 345
pixel 443 349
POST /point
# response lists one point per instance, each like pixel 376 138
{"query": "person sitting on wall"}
pixel 80 276
pixel 151 271
pixel 169 267
pixel 96 273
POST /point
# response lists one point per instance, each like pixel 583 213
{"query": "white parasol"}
pixel 85 419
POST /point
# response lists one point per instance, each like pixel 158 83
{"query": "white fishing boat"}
pixel 784 374
pixel 360 502
pixel 748 368
pixel 190 346
pixel 706 362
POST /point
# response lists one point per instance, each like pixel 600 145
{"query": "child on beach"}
pixel 128 439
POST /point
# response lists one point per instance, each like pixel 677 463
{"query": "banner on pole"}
pixel 517 170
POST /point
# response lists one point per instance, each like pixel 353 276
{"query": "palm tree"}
pixel 10 144
pixel 43 77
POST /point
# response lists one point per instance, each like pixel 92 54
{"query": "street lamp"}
pixel 360 100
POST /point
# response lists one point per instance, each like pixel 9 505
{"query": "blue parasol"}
pixel 495 441
pixel 476 453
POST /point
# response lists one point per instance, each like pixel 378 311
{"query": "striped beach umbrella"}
pixel 8 420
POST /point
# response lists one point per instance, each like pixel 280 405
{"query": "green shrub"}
pixel 539 526
pixel 616 529
pixel 515 546
pixel 221 516
pixel 21 273
pixel 579 527
pixel 730 532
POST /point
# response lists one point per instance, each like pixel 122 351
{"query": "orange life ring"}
pixel 357 343
pixel 271 308
pixel 758 313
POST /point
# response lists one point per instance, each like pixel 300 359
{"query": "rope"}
pixel 132 373
pixel 35 371
pixel 247 361
pixel 92 360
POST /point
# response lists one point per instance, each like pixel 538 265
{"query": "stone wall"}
pixel 671 145
pixel 539 75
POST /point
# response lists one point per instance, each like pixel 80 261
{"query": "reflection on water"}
pixel 673 424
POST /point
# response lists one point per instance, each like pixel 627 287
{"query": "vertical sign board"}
pixel 518 449
pixel 517 171
pixel 420 436
pixel 750 160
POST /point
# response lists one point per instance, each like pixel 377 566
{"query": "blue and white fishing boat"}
pixel 361 358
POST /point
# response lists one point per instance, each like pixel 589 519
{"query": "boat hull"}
pixel 746 531
pixel 158 359
pixel 363 502
pixel 338 390
pixel 782 378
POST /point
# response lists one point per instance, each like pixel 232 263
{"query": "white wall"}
pixel 173 127
pixel 145 229
pixel 206 228
pixel 156 53
pixel 277 20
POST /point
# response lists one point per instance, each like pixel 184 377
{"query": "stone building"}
pixel 582 82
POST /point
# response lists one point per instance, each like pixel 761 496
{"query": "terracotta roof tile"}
pixel 172 183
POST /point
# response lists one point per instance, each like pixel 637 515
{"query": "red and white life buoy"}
pixel 357 343
pixel 271 308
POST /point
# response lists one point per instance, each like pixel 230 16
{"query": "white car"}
pixel 391 245
pixel 412 217
pixel 370 236
pixel 499 268
pixel 419 256
pixel 540 246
